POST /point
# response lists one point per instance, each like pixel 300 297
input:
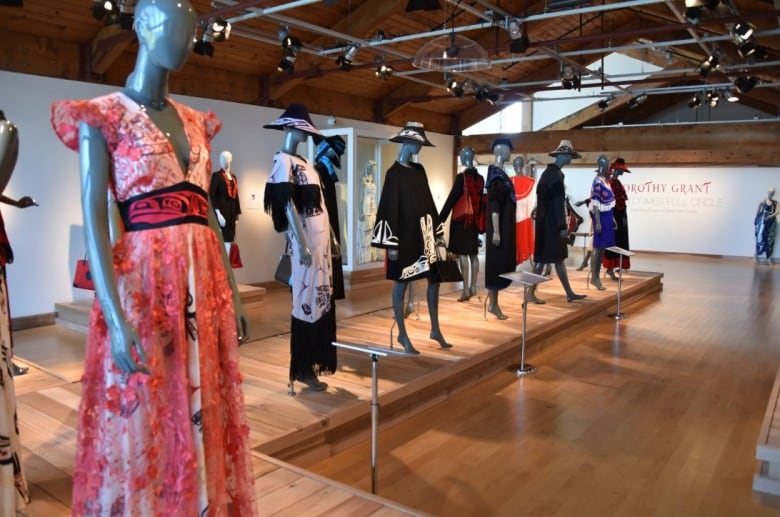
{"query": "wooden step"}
pixel 75 315
pixel 767 476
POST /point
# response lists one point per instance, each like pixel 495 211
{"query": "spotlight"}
pixel 712 98
pixel 729 95
pixel 636 101
pixel 708 65
pixel 216 29
pixel 742 31
pixel 345 60
pixel 694 14
pixel 695 102
pixel 454 87
pixel 287 64
pixel 384 71
pixel 290 48
pixel 604 103
pixel 484 94
pixel 100 8
pixel 569 79
pixel 745 84
pixel 518 40
pixel 711 4
pixel 126 14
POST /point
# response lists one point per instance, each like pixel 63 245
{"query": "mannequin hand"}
pixel 305 255
pixel 496 240
pixel 220 218
pixel 597 228
pixel 392 255
pixel 26 201
pixel 123 340
pixel 242 322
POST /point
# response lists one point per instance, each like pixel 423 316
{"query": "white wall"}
pixel 47 240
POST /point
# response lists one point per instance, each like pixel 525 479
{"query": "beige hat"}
pixel 565 147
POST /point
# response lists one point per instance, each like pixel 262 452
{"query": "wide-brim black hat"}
pixel 295 116
pixel 413 133
pixel 498 141
pixel 335 143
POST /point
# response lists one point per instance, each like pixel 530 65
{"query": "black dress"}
pixel 328 182
pixel 549 246
pixel 501 200
pixel 464 234
pixel 407 221
pixel 224 197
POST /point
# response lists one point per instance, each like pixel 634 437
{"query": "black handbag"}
pixel 445 269
pixel 283 270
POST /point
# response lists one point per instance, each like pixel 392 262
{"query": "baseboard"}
pixel 36 320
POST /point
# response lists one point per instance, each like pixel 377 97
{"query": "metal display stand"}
pixel 527 280
pixel 622 253
pixel 375 352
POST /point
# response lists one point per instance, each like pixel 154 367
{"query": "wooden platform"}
pixel 767 477
pixel 315 425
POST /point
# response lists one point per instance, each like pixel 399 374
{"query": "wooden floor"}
pixel 597 389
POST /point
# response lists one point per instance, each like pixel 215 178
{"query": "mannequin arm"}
pixel 294 221
pixel 594 211
pixel 496 240
pixel 242 322
pixel 94 165
pixel 220 218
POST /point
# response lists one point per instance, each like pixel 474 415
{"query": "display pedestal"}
pixel 374 352
pixel 527 280
pixel 622 253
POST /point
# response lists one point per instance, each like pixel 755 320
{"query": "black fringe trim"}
pixel 311 350
pixel 308 199
pixel 275 200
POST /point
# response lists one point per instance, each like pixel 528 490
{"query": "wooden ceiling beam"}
pixel 107 45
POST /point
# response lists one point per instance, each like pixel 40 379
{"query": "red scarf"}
pixel 231 183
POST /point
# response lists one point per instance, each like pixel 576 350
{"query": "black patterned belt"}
pixel 182 203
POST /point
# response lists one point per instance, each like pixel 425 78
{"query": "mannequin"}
pixel 327 160
pixel 367 214
pixel 766 227
pixel 464 233
pixel 293 197
pixel 551 227
pixel 602 203
pixel 612 260
pixel 526 199
pixel 408 227
pixel 13 484
pixel 501 250
pixel 224 197
pixel 162 350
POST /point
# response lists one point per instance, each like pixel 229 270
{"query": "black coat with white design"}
pixel 407 221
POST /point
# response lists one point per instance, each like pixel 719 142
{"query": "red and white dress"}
pixel 176 441
pixel 524 229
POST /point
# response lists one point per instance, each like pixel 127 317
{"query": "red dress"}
pixel 526 201
pixel 174 442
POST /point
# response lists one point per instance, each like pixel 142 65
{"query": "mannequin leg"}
pixel 409 306
pixel 399 290
pixel 547 270
pixel 433 311
pixel 227 247
pixel 571 296
pixel 595 268
pixel 465 271
pixel 585 261
pixel 493 304
pixel 474 259
pixel 538 266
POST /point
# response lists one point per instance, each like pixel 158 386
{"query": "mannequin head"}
pixel 501 148
pixel 531 169
pixel 370 169
pixel 771 193
pixel 166 30
pixel 225 159
pixel 564 154
pixel 9 150
pixel 292 137
pixel 602 166
pixel 467 157
pixel 518 163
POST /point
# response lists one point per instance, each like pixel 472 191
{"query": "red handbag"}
pixel 235 256
pixel 83 278
pixel 463 208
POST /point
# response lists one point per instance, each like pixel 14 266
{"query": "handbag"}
pixel 283 272
pixel 445 269
pixel 235 256
pixel 463 208
pixel 83 278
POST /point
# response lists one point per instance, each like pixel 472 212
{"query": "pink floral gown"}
pixel 174 442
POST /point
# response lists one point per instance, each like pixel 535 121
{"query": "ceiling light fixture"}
pixel 484 94
pixel 694 14
pixel 384 71
pixel 745 84
pixel 569 79
pixel 452 53
pixel 729 95
pixel 695 102
pixel 636 101
pixel 344 61
pixel 454 87
pixel 709 64
pixel 712 98
pixel 126 14
pixel 518 39
pixel 604 103
pixel 290 48
pixel 100 8
pixel 215 29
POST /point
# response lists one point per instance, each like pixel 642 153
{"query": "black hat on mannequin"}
pixel 498 141
pixel 565 147
pixel 295 116
pixel 413 133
